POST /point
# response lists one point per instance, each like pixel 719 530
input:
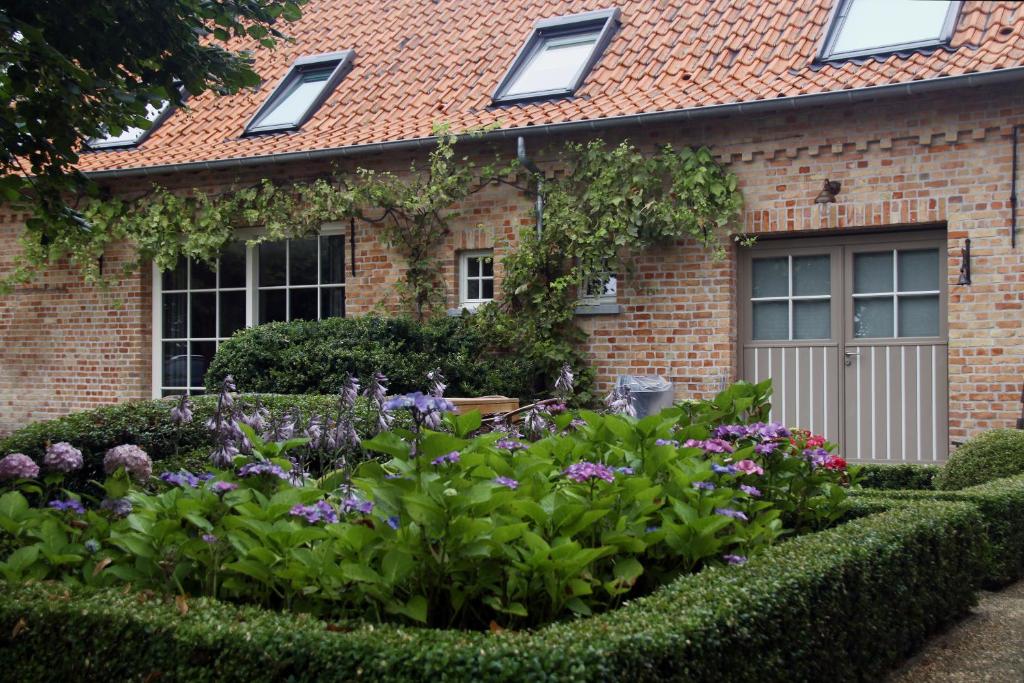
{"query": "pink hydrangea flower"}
pixel 133 459
pixel 749 467
pixel 63 457
pixel 18 466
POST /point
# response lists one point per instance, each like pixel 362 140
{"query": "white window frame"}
pixel 897 294
pixel 464 300
pixel 134 136
pixel 609 294
pixel 842 11
pixel 287 288
pixel 251 300
pixel 790 299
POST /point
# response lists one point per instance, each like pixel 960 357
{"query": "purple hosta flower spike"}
pixel 437 383
pixel 182 413
pixel 426 410
pixel 447 459
pixel 223 456
pixel 349 392
pixel 254 469
pixel 184 479
pixel 315 433
pixel 620 401
pixel 222 487
pixel 703 486
pixel 729 512
pixel 377 391
pixel 353 504
pixel 509 444
pixel 535 423
pixel 564 383
pixel 209 538
pixel 70 505
pixel 18 466
pixel 750 490
pixel 735 559
pixel 320 511
pixel 63 457
pixel 585 471
pixel 507 482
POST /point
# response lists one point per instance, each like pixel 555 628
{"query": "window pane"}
pixel 272 261
pixel 771 320
pixel 299 95
pixel 488 266
pixel 204 315
pixel 872 317
pixel 178 277
pixel 130 136
pixel 473 266
pixel 303 304
pixel 232 312
pixel 272 305
pixel 770 277
pixel 919 316
pixel 555 64
pixel 919 270
pixel 811 275
pixel 332 302
pixel 884 23
pixel 811 320
pixel 199 361
pixel 473 289
pixel 175 362
pixel 203 276
pixel 488 288
pixel 175 312
pixel 232 265
pixel 302 266
pixel 332 259
pixel 872 272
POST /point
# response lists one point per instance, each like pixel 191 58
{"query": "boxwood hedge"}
pixel 987 456
pixel 1001 504
pixel 902 476
pixel 840 605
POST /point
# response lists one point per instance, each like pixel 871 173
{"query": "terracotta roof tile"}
pixel 419 62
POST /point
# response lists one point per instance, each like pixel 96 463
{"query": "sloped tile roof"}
pixel 419 62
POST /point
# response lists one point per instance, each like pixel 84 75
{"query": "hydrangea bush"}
pixel 451 525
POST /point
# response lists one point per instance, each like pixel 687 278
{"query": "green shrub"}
pixel 989 455
pixel 314 357
pixel 1001 504
pixel 902 476
pixel 840 605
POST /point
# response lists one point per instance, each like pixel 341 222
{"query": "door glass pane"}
pixel 202 356
pixel 872 273
pixel 175 316
pixel 811 275
pixel 204 315
pixel 272 305
pixel 303 304
pixel 272 261
pixel 232 265
pixel 175 364
pixel 770 277
pixel 919 270
pixel 332 259
pixel 811 320
pixel 771 320
pixel 203 276
pixel 232 312
pixel 873 317
pixel 302 266
pixel 176 278
pixel 919 316
pixel 332 302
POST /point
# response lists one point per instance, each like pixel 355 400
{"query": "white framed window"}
pixel 867 27
pixel 791 297
pixel 599 290
pixel 557 56
pixel 130 137
pixel 896 293
pixel 476 278
pixel 196 306
pixel 308 83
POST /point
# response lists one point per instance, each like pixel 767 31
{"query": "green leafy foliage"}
pixel 762 621
pixel 987 456
pixel 60 90
pixel 316 356
pixel 901 476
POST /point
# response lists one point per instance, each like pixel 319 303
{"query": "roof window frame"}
pixel 838 18
pixel 606 21
pixel 342 67
pixel 99 145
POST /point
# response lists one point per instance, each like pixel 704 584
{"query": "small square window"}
pixel 869 27
pixel 130 137
pixel 476 278
pixel 301 92
pixel 557 56
pixel 599 289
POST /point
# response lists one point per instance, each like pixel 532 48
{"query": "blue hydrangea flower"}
pixel 70 505
pixel 723 469
pixel 729 512
pixel 184 479
pixel 254 469
pixel 750 490
pixel 506 482
pixel 703 485
pixel 446 459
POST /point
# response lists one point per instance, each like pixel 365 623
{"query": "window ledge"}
pixel 598 309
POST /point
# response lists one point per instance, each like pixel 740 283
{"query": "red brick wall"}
pixel 920 161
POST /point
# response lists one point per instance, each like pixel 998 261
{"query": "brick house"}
pixel 852 305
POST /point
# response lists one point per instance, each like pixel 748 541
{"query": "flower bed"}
pixel 843 604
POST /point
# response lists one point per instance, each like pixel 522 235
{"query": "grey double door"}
pixel 852 332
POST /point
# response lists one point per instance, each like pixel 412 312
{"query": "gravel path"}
pixel 986 646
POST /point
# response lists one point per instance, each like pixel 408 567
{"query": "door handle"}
pixel 848 357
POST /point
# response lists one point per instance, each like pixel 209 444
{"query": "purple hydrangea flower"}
pixel 63 457
pixel 703 485
pixel 254 469
pixel 750 490
pixel 184 479
pixel 352 504
pixel 584 471
pixel 735 559
pixel 768 432
pixel 448 458
pixel 221 487
pixel 723 469
pixel 507 482
pixel 508 444
pixel 729 431
pixel 118 507
pixel 320 511
pixel 749 467
pixel 210 538
pixel 556 408
pixel 69 505
pixel 667 442
pixel 718 446
pixel 729 512
pixel 765 448
pixel 133 459
pixel 816 456
pixel 18 466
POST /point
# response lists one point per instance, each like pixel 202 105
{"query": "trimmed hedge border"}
pixel 901 476
pixel 1001 504
pixel 845 604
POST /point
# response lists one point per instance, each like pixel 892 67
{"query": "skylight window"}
pixel 869 27
pixel 133 136
pixel 557 56
pixel 304 88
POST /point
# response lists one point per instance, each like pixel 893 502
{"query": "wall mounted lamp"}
pixel 965 263
pixel 828 192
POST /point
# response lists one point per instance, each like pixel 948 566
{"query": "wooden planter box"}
pixel 487 405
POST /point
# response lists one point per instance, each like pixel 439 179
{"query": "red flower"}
pixel 834 462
